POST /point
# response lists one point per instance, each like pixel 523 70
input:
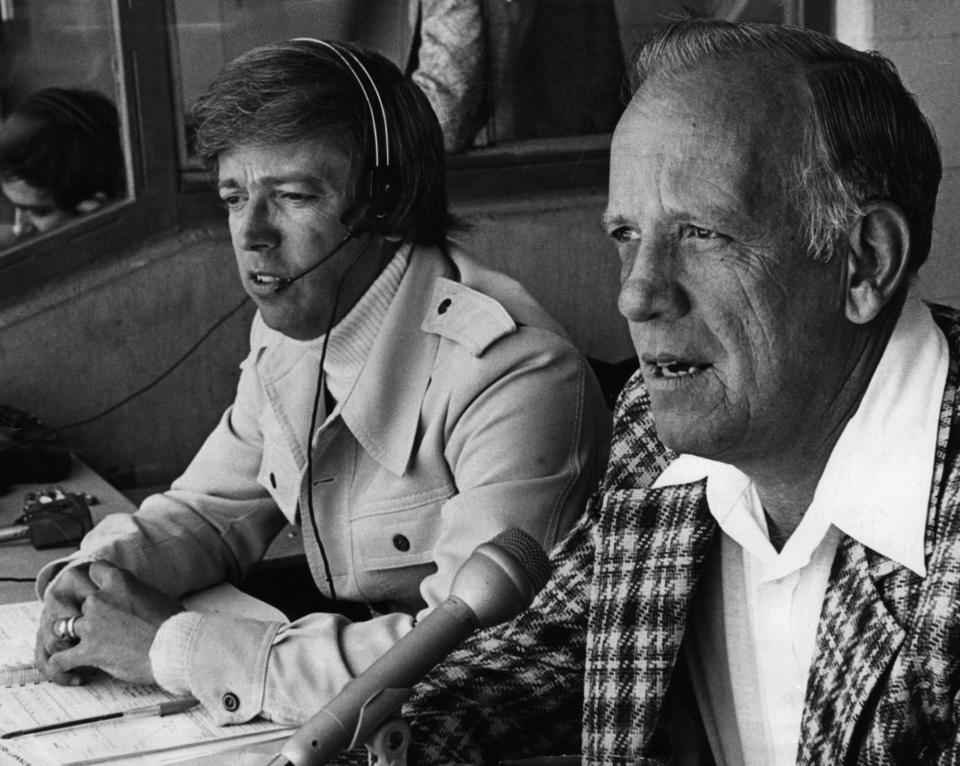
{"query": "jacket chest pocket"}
pixel 280 476
pixel 392 539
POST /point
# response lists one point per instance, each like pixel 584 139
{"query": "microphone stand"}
pixel 497 582
pixel 389 743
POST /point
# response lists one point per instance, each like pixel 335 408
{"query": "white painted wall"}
pixel 922 37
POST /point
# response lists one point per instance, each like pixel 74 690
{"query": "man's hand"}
pixel 117 618
pixel 62 601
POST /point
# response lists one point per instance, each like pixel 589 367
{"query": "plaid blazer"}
pixel 592 666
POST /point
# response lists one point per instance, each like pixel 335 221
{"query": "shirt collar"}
pixel 876 484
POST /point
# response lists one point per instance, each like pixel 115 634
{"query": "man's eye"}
pixel 231 200
pixel 698 232
pixel 297 196
pixel 624 234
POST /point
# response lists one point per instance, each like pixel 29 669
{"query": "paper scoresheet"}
pixel 168 738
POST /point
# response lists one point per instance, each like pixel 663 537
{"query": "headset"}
pixel 67 106
pixel 382 188
pixel 378 200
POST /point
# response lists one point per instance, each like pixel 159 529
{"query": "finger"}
pixel 73 586
pixel 105 575
pixel 80 663
pixel 71 667
pixel 52 672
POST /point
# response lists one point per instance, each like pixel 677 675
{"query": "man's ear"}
pixel 89 205
pixel 877 260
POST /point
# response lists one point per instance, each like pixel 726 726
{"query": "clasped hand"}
pixel 116 616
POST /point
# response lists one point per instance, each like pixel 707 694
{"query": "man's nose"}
pixel 255 228
pixel 648 285
pixel 23 224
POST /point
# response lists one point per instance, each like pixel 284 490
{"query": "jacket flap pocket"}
pixel 399 538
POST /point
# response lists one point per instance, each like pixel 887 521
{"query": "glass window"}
pixel 118 51
pixel 498 72
pixel 206 34
pixel 62 153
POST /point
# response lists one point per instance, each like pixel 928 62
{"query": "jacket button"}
pixel 230 702
pixel 444 305
pixel 401 543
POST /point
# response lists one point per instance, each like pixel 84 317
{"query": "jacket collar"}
pixel 869 602
pixel 383 410
pixel 857 640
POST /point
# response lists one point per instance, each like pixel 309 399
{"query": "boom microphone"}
pixel 351 220
pixel 497 582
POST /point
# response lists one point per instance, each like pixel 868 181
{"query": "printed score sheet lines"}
pixel 120 741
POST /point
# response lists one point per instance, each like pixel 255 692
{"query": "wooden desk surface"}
pixel 19 559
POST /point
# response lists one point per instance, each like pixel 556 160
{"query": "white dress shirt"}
pixel 753 642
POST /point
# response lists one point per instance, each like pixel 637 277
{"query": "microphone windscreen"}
pixel 528 552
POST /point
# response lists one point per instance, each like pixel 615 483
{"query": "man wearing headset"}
pixel 400 402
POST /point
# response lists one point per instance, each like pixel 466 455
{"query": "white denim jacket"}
pixel 473 413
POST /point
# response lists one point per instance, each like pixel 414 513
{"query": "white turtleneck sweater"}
pixel 352 337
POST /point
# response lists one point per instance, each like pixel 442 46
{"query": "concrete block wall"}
pixel 922 37
pixel 554 245
pixel 83 346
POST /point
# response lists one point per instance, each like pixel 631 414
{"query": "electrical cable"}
pixel 313 418
pixel 183 357
pixel 42 436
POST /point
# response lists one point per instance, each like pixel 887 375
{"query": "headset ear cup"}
pixel 384 190
pixel 381 200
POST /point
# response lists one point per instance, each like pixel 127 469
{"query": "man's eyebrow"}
pixel 310 179
pixel 610 220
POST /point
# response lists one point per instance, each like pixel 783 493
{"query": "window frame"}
pixel 171 191
pixel 146 107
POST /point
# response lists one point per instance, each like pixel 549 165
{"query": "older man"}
pixel 770 572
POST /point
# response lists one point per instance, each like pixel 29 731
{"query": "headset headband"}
pixel 67 107
pixel 381 136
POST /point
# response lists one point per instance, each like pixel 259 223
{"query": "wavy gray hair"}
pixel 866 139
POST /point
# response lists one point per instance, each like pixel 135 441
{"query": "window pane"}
pixel 209 33
pixel 61 152
pixel 497 72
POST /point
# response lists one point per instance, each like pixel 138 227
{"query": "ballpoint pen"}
pixel 160 709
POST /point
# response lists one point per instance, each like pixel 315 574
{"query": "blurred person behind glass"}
pixel 60 157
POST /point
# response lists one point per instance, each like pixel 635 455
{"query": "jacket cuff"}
pixel 223 661
pixel 169 651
